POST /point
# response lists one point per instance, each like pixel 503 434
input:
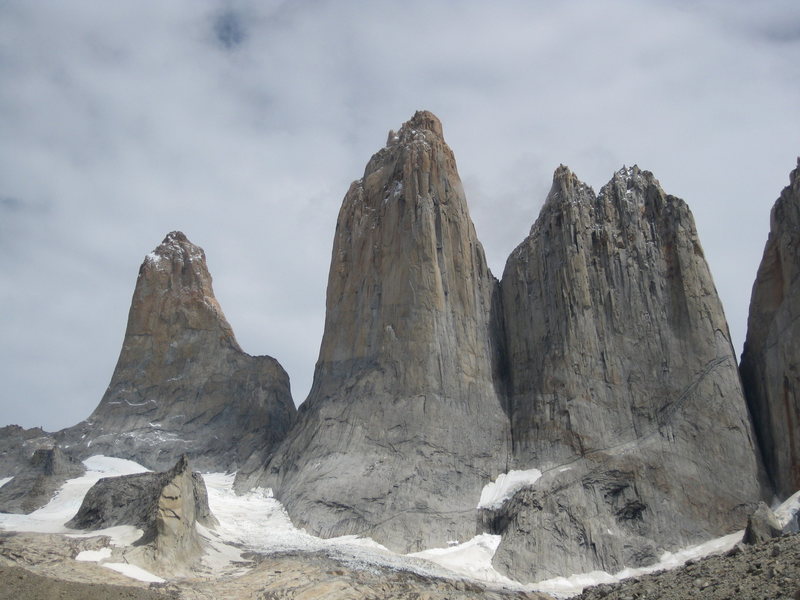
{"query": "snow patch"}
pixel 5 480
pixel 134 572
pixel 120 535
pixel 788 513
pixel 473 558
pixel 505 486
pixel 258 521
pixel 94 555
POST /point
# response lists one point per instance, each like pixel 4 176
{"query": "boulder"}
pixel 762 525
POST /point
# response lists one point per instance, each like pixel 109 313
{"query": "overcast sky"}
pixel 242 124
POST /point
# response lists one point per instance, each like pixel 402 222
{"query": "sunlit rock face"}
pixel 182 384
pixel 771 358
pixel 623 388
pixel 405 422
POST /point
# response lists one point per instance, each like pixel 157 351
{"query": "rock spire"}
pixel 771 358
pixel 623 385
pixel 405 422
pixel 182 384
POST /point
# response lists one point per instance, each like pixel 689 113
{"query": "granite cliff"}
pixel 771 358
pixel 623 388
pixel 405 420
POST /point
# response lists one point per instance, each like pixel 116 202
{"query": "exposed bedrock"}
pixel 182 384
pixel 405 422
pixel 621 370
pixel 166 506
pixel 34 485
pixel 17 445
pixel 771 358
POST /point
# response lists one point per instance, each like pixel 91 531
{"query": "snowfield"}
pixel 257 522
pixel 505 486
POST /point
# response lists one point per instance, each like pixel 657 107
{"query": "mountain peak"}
pixel 424 125
pixel 176 248
pixel 182 383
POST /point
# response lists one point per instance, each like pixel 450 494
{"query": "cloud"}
pixel 242 123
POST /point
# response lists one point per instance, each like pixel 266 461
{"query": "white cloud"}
pixel 122 121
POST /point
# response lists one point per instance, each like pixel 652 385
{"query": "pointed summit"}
pixel 182 383
pixel 404 398
pixel 771 358
pixel 174 297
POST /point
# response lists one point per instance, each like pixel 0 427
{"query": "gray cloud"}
pixel 242 123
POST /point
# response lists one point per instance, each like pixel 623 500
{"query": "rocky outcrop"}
pixel 624 387
pixel 33 486
pixel 771 358
pixel 405 421
pixel 762 525
pixel 182 384
pixel 165 506
pixel 17 445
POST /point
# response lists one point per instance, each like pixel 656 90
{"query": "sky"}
pixel 243 122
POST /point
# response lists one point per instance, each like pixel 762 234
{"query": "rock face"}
pixel 182 384
pixel 771 359
pixel 623 386
pixel 405 421
pixel 164 505
pixel 33 486
pixel 17 445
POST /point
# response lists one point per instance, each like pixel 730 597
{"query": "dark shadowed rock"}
pixel 762 525
pixel 404 423
pixel 182 384
pixel 34 485
pixel 771 358
pixel 624 388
